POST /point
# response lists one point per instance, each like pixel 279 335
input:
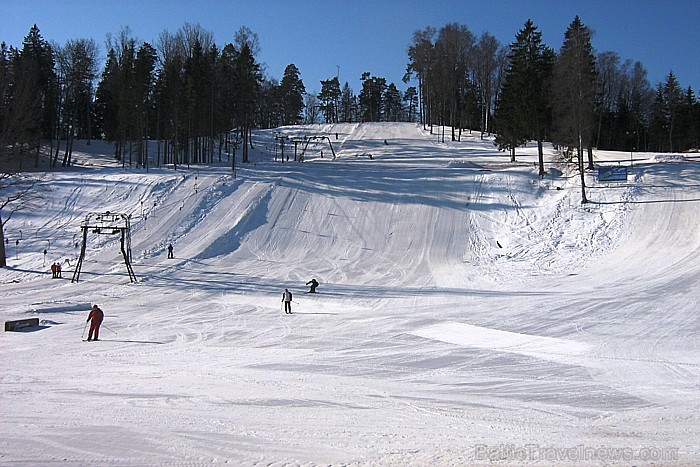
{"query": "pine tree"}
pixel 421 55
pixel 410 98
pixel 371 97
pixel 523 110
pixel 144 82
pixel 106 98
pixel 226 94
pixel 125 52
pixel 270 112
pixel 19 109
pixel 575 94
pixel 5 96
pixel 38 51
pixel 247 84
pixel 686 137
pixel 393 105
pixel 671 104
pixel 330 99
pixel 348 105
pixel 35 79
pixel 510 118
pixel 292 92
pixel 695 123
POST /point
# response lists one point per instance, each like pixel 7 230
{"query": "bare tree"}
pixel 312 108
pixel 488 56
pixel 192 36
pixel 245 36
pixel 18 191
pixel 454 50
pixel 608 82
pixel 78 64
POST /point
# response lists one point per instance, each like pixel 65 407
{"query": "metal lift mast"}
pixel 107 224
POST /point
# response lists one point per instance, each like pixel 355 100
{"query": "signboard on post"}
pixel 612 174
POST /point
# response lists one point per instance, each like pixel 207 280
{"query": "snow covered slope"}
pixel 469 311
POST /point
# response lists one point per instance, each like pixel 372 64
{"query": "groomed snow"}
pixel 469 310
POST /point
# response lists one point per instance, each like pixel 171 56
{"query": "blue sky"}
pixel 323 38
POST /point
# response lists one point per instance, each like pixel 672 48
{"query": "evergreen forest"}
pixel 200 99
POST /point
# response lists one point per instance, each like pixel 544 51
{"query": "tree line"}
pixel 195 98
pixel 199 100
pixel 528 91
pixel 184 92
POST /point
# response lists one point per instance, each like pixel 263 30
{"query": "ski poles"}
pixel 84 328
pixel 109 330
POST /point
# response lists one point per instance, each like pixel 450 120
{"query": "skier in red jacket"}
pixel 96 315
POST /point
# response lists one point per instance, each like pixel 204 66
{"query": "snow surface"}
pixel 469 310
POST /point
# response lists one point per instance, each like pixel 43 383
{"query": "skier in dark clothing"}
pixel 287 299
pixel 96 316
pixel 313 283
pixel 170 251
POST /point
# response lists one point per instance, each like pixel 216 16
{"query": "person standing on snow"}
pixel 170 251
pixel 313 283
pixel 287 299
pixel 96 316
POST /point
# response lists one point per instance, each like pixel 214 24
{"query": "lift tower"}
pixel 107 223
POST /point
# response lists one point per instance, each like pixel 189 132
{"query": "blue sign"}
pixel 612 174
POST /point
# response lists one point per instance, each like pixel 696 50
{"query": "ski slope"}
pixel 469 310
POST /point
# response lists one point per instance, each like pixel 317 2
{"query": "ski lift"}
pixel 107 223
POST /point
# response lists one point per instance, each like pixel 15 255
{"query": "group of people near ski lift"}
pixel 56 271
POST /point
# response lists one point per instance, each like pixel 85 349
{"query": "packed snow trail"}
pixel 464 304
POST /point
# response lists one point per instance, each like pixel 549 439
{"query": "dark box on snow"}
pixel 20 324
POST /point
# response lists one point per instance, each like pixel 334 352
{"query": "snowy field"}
pixel 469 312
